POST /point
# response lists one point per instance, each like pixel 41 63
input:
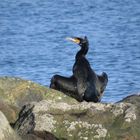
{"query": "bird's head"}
pixel 78 40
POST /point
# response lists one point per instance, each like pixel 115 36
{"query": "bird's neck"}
pixel 82 52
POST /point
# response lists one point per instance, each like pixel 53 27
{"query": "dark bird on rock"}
pixel 84 84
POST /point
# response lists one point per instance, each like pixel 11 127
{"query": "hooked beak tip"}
pixel 75 40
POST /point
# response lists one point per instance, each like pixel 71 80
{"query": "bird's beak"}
pixel 75 40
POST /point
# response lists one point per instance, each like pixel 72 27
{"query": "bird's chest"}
pixel 80 67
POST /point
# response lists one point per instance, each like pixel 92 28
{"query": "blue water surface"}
pixel 33 45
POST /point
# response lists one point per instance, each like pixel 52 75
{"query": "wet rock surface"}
pixel 58 116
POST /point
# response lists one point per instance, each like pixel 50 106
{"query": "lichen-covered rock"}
pixel 23 128
pixel 25 124
pixel 88 120
pixel 68 119
pixel 16 92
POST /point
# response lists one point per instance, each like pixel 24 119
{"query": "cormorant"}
pixel 84 84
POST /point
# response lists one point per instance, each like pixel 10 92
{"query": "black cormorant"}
pixel 84 84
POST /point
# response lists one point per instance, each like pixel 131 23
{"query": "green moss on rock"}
pixel 66 118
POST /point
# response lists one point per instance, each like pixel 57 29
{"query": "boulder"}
pixel 88 121
pixel 16 92
pixel 6 132
pixel 25 124
pixel 64 117
pixel 23 128
pixel 10 111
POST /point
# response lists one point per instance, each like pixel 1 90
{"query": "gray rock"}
pixel 6 132
pixel 25 124
pixel 88 120
pixel 19 92
pixel 64 117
